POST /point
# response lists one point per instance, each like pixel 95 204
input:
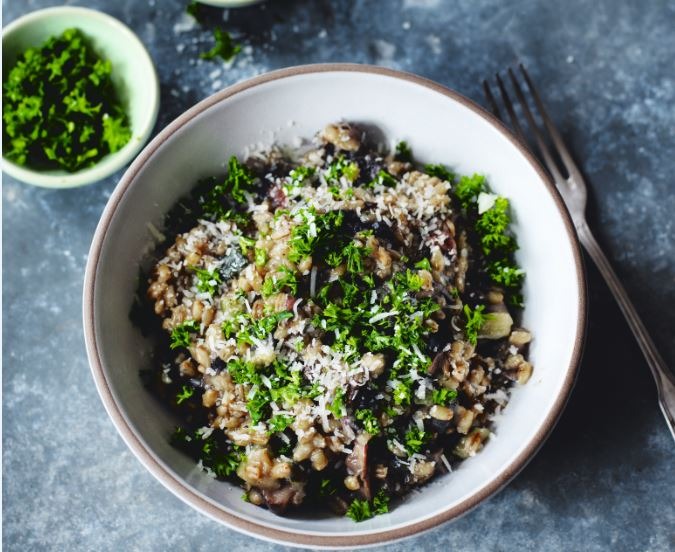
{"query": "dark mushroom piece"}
pixel 357 463
pixel 440 364
pixel 278 500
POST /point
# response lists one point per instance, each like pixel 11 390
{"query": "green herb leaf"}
pixel 506 274
pixel 224 47
pixel 360 510
pixel 279 422
pixel 245 244
pixel 415 439
pixel 370 423
pixel 180 335
pixel 474 322
pixel 341 167
pixel 468 188
pixel 443 396
pixel 403 152
pixel 207 281
pixel 337 406
pixel 239 180
pixel 327 488
pixel 260 256
pixel 60 107
pixel 285 278
pixel 424 264
pixel 439 171
pixel 185 393
pixel 315 232
pixel 492 226
pixel 402 393
pixel 382 178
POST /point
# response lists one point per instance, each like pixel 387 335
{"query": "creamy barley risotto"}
pixel 335 324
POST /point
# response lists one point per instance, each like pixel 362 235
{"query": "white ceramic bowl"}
pixel 133 75
pixel 441 126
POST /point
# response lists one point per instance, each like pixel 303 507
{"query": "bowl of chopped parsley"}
pixel 349 333
pixel 80 97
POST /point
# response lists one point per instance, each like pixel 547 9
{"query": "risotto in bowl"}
pixel 331 324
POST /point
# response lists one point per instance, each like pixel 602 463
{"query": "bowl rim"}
pixel 109 163
pixel 184 491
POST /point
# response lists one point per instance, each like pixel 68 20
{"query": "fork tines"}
pixel 534 128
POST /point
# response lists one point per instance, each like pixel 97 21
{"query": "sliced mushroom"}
pixel 357 462
pixel 440 364
pixel 279 499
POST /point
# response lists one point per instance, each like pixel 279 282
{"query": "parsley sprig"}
pixel 369 420
pixel 180 335
pixel 238 181
pixel 474 322
pixel 208 281
pixel 215 454
pixel 314 232
pixel 360 510
pixel 224 47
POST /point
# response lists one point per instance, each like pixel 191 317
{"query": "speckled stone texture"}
pixel 605 480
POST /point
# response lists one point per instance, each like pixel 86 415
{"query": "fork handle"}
pixel 665 384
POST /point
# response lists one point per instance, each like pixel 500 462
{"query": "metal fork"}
pixel 573 191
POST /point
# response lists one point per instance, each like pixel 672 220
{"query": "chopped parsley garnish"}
pixel 492 226
pixel 257 404
pixel 184 394
pixel 285 278
pixel 242 371
pixel 352 255
pixel 443 396
pixel 402 393
pixel 342 167
pixel 296 179
pixel 224 47
pixel 337 406
pixel 382 178
pixel 415 439
pixel 327 488
pixel 468 188
pixel 412 280
pixel 474 322
pixel 223 459
pixel 239 180
pixel 207 281
pixel 279 422
pixel 286 387
pixel 315 232
pixel 439 171
pixel 403 152
pixel 180 335
pixel 260 256
pixel 506 274
pixel 360 510
pixel 369 421
pixel 60 109
pixel 260 328
pixel 424 264
pixel 245 244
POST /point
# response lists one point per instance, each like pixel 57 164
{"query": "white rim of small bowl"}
pixel 110 163
pixel 241 523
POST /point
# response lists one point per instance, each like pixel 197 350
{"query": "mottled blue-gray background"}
pixel 605 480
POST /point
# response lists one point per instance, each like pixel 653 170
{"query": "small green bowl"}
pixel 133 75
